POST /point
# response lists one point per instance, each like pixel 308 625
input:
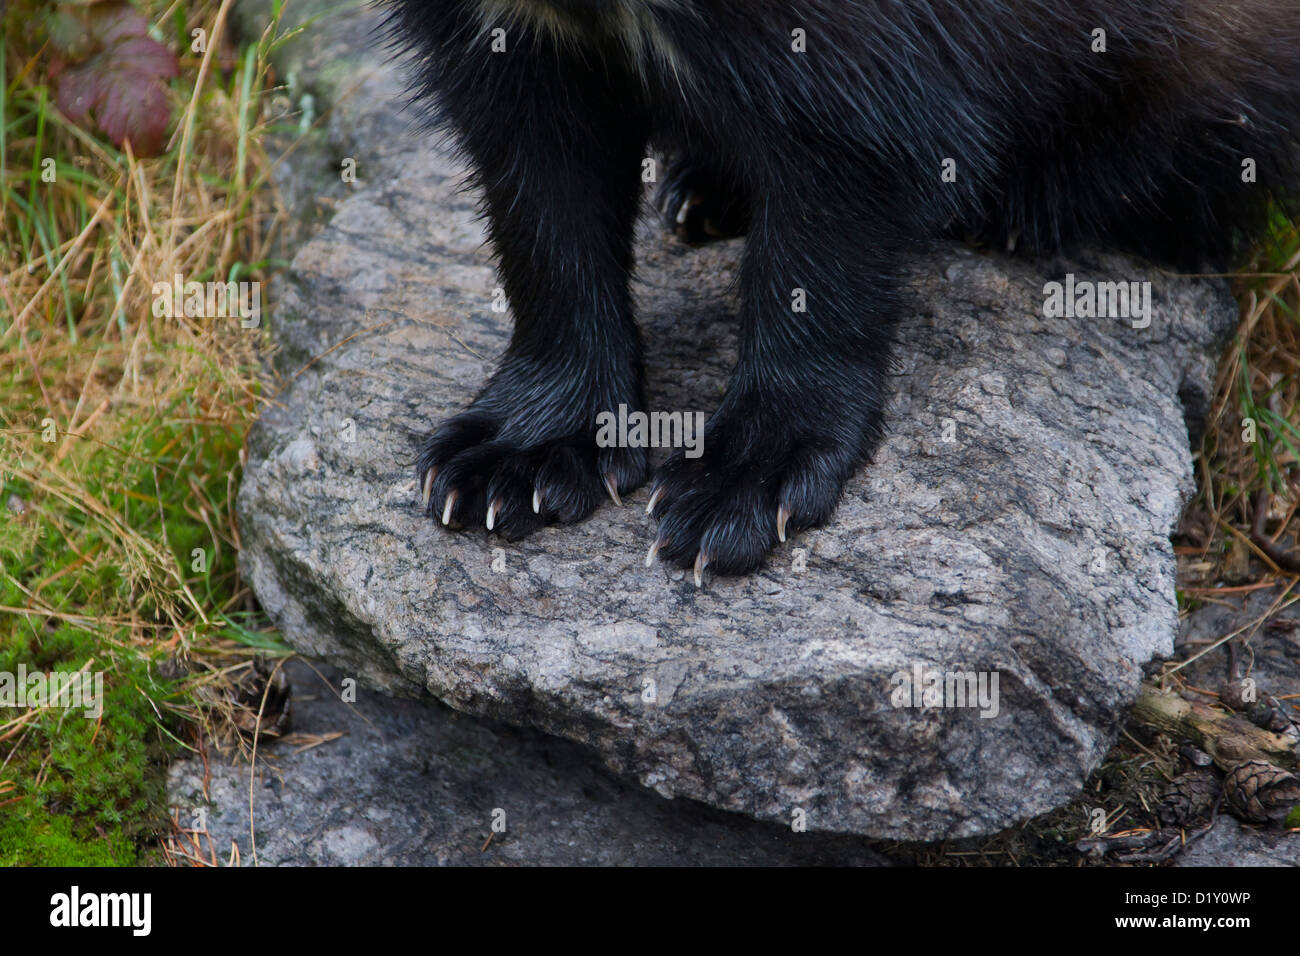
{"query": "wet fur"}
pixel 833 159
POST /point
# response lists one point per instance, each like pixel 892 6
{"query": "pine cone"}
pixel 1188 797
pixel 1259 792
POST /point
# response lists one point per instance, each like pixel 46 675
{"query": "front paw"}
pixel 478 469
pixel 758 479
pixel 698 205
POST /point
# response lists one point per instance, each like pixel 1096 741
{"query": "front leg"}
pixel 804 404
pixel 556 140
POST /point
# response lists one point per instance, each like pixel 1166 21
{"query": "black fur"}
pixel 832 159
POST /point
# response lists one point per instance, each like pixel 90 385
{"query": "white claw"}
pixel 492 513
pixel 428 486
pixel 650 555
pixel 654 500
pixel 782 516
pixel 446 509
pixel 612 488
pixel 684 211
pixel 537 501
pixel 701 562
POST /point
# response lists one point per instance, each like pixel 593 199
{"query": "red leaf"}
pixel 123 83
pixel 76 93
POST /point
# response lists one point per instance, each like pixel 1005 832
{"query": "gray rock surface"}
pixel 1232 844
pixel 412 783
pixel 330 64
pixel 1268 630
pixel 1033 545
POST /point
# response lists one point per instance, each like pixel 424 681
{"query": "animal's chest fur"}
pixel 631 24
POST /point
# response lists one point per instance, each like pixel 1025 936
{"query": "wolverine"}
pixel 837 136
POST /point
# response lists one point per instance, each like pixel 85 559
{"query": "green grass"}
pixel 103 776
pixel 121 437
pixel 1259 382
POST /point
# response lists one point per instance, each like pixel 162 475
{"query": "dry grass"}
pixel 121 432
pixel 1240 534
pixel 80 343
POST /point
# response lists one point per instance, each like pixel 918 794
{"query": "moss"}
pixel 99 776
pixel 31 836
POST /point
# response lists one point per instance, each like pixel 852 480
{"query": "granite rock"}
pixel 1015 523
pixel 1231 843
pixel 412 783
